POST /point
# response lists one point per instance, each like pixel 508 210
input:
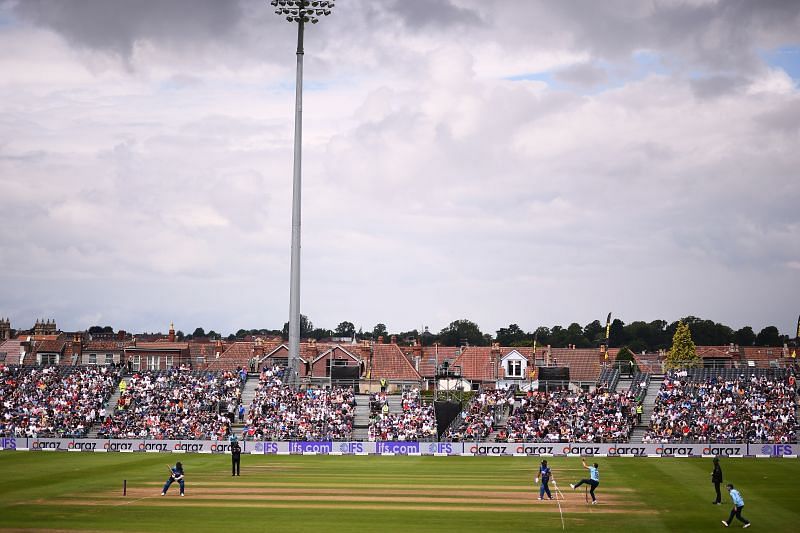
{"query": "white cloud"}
pixel 149 178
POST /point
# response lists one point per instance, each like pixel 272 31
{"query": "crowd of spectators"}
pixel 280 412
pixel 565 416
pixel 477 421
pixel 716 410
pixel 53 401
pixel 415 421
pixel 176 404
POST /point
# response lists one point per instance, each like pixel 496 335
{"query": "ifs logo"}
pixel 351 447
pixel 440 447
pixel 777 449
pixel 8 443
pixel 266 447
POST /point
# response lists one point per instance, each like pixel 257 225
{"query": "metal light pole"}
pixel 301 12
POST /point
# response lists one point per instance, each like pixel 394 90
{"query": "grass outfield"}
pixel 83 491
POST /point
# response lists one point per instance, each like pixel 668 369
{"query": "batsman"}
pixel 175 474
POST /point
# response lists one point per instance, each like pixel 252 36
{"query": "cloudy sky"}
pixel 533 162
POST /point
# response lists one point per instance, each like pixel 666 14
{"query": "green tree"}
pixel 460 332
pixel 769 336
pixel 575 336
pixel 558 337
pixel 180 336
pixel 745 336
pixel 510 336
pixel 306 327
pixel 199 332
pixel 345 329
pixel 594 332
pixel 543 336
pixel 379 330
pixel 683 353
pixel 617 333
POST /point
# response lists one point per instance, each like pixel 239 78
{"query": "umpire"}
pixel 716 479
pixel 236 457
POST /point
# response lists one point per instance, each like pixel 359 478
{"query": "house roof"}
pixel 50 346
pixel 334 348
pixel 476 363
pixel 716 352
pixel 389 362
pixel 236 355
pixel 159 346
pixel 761 355
pixel 584 364
pixel 11 349
pixel 103 346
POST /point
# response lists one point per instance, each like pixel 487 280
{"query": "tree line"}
pixel 637 336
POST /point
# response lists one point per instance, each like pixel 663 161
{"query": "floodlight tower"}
pixel 301 12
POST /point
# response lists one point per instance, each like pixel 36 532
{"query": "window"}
pixel 92 358
pixel 514 369
pixel 333 362
pixel 48 359
pixel 169 361
pixel 152 362
pixel 109 359
pixel 137 362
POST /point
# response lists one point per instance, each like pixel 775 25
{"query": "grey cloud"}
pixel 433 13
pixel 117 25
pixel 583 74
pixel 715 86
pixel 718 36
pixel 783 119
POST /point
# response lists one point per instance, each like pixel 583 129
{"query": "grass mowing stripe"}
pixel 319 493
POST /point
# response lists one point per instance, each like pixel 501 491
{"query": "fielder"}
pixel 593 481
pixel 738 505
pixel 176 474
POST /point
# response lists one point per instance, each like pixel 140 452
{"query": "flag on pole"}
pixel 608 327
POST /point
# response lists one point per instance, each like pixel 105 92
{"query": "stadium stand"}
pixel 415 421
pixel 564 416
pixel 280 412
pixel 724 405
pixel 174 404
pixel 479 418
pixel 53 401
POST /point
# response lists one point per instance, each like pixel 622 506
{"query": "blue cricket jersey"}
pixel 544 471
pixel 738 501
pixel 594 474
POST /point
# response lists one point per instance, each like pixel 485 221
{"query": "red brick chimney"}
pixel 394 339
pixel 77 346
pixel 171 332
pixel 380 339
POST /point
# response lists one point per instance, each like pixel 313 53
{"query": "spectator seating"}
pixel 175 404
pixel 415 421
pixel 479 418
pixel 724 405
pixel 62 401
pixel 280 412
pixel 565 416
